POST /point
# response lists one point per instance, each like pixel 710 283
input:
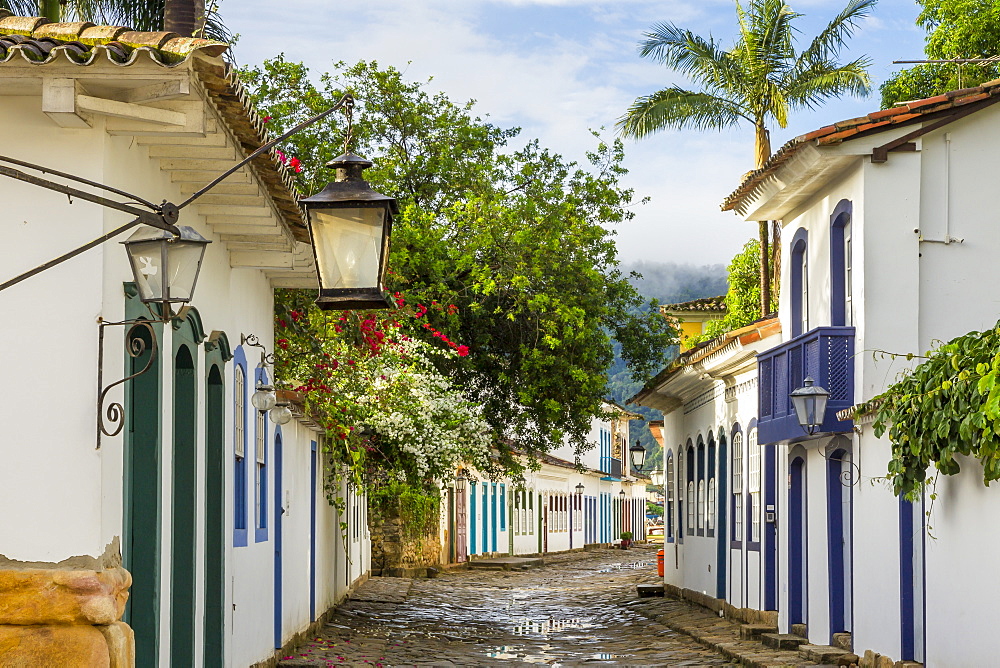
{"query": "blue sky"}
pixel 558 68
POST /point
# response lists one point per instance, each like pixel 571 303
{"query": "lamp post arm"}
pixel 73 253
pixel 162 221
pixel 64 175
pixel 346 101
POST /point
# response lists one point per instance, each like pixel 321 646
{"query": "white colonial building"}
pixel 568 503
pixel 219 514
pixel 888 246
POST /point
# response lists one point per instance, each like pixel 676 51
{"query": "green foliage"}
pixel 515 241
pixel 654 509
pixel 955 29
pixel 417 507
pixel 626 535
pixel 948 405
pixel 743 296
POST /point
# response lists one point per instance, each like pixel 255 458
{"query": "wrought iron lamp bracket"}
pixel 115 413
pixel 254 342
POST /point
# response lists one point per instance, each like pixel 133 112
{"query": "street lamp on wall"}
pixel 579 489
pixel 656 477
pixel 350 225
pixel 637 455
pixel 809 403
pixel 165 266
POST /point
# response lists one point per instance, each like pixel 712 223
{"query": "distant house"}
pixel 715 515
pixel 566 504
pixel 692 317
pixel 216 516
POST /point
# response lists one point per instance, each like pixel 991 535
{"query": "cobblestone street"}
pixel 576 609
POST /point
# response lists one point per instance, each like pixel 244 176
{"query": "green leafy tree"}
pixel 506 249
pixel 955 29
pixel 743 296
pixel 759 80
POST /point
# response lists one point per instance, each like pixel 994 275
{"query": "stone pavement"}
pixel 577 609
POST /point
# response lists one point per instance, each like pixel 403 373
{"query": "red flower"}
pixel 282 324
pixel 295 164
pixel 463 351
pixel 421 310
pixel 283 344
pixel 267 119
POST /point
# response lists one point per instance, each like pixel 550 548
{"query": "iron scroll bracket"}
pixel 135 347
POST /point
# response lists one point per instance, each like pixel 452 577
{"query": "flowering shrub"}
pixel 388 409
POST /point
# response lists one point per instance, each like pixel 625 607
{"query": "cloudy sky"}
pixel 558 68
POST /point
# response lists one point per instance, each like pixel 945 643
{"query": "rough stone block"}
pixel 649 590
pixel 869 659
pixel 821 653
pixel 843 641
pixel 755 631
pixel 121 644
pixel 885 662
pixel 800 630
pixel 848 660
pixel 77 645
pixel 782 640
pixel 37 596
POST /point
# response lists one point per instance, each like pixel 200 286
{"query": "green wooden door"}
pixel 215 485
pixel 141 530
pixel 184 519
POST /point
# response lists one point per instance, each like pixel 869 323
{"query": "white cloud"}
pixel 558 68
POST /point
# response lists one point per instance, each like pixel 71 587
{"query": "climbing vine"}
pixel 417 507
pixel 946 406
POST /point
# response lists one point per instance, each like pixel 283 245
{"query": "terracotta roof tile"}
pixel 708 304
pixel 937 99
pixel 39 42
pixel 904 112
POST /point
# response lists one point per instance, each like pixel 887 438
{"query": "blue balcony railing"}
pixel 611 466
pixel 827 355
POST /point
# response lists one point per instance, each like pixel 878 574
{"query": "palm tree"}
pixel 185 17
pixel 757 81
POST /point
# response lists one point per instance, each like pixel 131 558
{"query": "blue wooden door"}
pixel 278 514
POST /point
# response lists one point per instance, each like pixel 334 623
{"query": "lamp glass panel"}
pixel 638 457
pixel 805 409
pixel 264 399
pixel 147 267
pixel 183 262
pixel 348 245
pixel 656 477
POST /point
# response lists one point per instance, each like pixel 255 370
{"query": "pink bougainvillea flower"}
pixel 267 119
pixel 463 351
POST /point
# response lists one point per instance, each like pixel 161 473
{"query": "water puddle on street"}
pixel 626 567
pixel 526 626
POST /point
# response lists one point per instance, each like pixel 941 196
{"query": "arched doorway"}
pixel 838 486
pixel 184 503
pixel 797 543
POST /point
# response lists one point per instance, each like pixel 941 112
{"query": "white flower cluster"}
pixel 418 410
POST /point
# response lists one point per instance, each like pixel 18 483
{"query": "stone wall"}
pixel 395 548
pixel 65 614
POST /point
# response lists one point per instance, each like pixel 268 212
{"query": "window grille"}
pixel 701 505
pixel 753 480
pixel 239 413
pixel 690 509
pixel 848 308
pixel 738 486
pixel 710 506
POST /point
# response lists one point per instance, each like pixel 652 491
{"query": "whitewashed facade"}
pixel 715 517
pixel 893 253
pixel 547 513
pixel 220 516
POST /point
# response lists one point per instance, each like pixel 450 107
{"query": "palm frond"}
pixel 678 108
pixel 702 60
pixel 827 80
pixel 827 44
pixel 144 15
pixel 21 7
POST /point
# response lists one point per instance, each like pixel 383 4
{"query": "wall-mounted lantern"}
pixel 166 266
pixel 637 455
pixel 350 225
pixel 809 403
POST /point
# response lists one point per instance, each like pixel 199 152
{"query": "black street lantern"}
pixel 165 265
pixel 809 403
pixel 637 454
pixel 622 494
pixel 350 225
pixel 579 489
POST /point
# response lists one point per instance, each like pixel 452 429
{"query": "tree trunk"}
pixel 765 272
pixel 179 17
pixel 762 151
pixel 51 10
